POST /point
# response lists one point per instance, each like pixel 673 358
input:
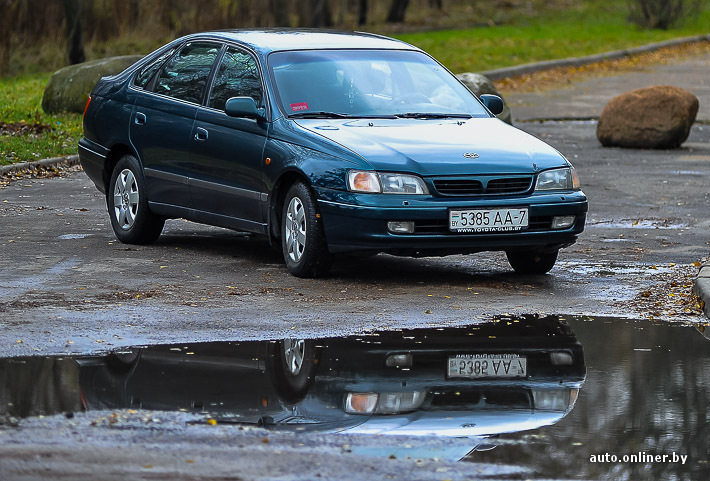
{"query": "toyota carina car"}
pixel 326 143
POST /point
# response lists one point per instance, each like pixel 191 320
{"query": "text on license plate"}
pixel 488 220
pixel 488 365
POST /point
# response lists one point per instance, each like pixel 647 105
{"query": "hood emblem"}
pixel 471 155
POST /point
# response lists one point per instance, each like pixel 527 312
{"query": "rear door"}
pixel 226 173
pixel 163 118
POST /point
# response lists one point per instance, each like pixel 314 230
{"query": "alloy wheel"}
pixel 125 199
pixel 295 229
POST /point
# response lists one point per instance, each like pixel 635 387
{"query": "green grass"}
pixel 22 103
pixel 597 28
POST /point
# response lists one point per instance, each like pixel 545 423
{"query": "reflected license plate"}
pixel 488 220
pixel 473 366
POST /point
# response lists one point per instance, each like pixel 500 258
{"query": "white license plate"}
pixel 488 220
pixel 473 366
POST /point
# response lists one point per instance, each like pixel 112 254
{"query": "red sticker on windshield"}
pixel 299 106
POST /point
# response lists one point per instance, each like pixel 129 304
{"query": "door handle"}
pixel 140 118
pixel 201 134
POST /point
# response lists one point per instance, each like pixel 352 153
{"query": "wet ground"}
pixel 514 398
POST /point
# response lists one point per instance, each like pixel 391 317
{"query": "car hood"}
pixel 431 147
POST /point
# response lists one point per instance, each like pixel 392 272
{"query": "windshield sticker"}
pixel 299 106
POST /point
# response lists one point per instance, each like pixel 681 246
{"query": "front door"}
pixel 226 153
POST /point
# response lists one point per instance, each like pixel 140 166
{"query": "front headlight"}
pixel 383 403
pixel 558 179
pixel 385 183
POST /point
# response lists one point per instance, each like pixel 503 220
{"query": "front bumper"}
pixel 358 222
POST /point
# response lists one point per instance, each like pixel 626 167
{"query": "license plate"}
pixel 473 366
pixel 488 220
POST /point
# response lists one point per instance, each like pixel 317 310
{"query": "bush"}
pixel 662 14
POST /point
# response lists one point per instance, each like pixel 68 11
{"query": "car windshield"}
pixel 369 83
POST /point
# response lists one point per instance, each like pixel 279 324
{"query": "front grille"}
pixel 459 186
pixel 513 185
pixel 483 185
pixel 441 227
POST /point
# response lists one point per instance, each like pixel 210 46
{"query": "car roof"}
pixel 280 39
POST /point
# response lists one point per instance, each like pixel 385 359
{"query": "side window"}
pixel 237 76
pixel 185 75
pixel 149 70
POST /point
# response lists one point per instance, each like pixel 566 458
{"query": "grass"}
pixel 524 32
pixel 22 104
pixel 565 33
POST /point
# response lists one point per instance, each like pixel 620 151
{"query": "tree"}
pixel 362 13
pixel 397 11
pixel 279 10
pixel 661 14
pixel 75 45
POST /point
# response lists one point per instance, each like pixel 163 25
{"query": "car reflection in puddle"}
pixel 475 382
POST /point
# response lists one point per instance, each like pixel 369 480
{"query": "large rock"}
pixel 479 85
pixel 656 117
pixel 69 88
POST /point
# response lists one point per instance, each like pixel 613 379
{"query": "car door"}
pixel 226 164
pixel 162 121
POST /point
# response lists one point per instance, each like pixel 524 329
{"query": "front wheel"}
pixel 532 262
pixel 131 218
pixel 303 243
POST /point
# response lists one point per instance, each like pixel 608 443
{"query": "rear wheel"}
pixel 302 238
pixel 532 262
pixel 131 218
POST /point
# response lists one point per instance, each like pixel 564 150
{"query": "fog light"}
pixel 563 222
pixel 399 360
pixel 400 227
pixel 561 359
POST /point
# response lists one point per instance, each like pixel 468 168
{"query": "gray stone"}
pixel 658 117
pixel 479 85
pixel 69 88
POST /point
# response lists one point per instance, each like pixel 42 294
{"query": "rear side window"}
pixel 184 76
pixel 237 76
pixel 149 70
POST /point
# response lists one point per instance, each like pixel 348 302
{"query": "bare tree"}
pixel 397 11
pixel 362 13
pixel 280 12
pixel 662 14
pixel 75 44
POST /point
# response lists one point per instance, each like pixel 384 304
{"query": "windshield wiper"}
pixel 319 115
pixel 430 115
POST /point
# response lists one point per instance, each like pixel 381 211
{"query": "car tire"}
pixel 294 364
pixel 532 262
pixel 303 243
pixel 131 218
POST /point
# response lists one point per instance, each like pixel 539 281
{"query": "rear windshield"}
pixel 368 83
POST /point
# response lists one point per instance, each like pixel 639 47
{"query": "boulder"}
pixel 656 117
pixel 69 88
pixel 479 85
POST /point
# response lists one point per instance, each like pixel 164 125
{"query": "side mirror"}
pixel 243 107
pixel 492 103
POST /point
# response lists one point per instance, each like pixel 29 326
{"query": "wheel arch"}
pixel 277 197
pixel 114 155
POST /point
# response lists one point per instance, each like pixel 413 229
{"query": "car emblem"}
pixel 470 155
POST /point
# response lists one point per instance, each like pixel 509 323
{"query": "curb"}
pixel 528 68
pixel 702 287
pixel 45 163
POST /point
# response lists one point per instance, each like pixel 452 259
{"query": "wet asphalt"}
pixel 68 287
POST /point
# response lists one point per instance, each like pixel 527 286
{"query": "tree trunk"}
pixel 397 11
pixel 362 13
pixel 280 12
pixel 75 45
pixel 320 14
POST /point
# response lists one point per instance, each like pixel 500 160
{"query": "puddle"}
pixel 636 224
pixel 73 236
pixel 533 395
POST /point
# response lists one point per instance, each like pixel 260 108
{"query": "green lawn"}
pixel 22 98
pixel 570 33
pixel 556 29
